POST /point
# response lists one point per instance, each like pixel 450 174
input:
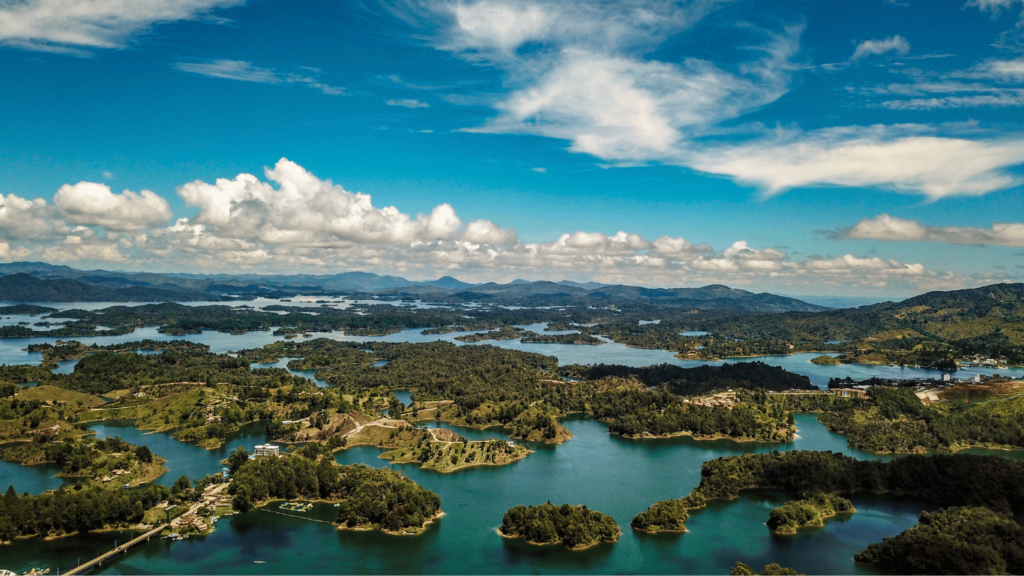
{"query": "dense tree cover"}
pixel 958 540
pixel 74 349
pixel 577 527
pixel 103 372
pixel 632 412
pixel 367 496
pixel 26 309
pixel 494 386
pixel 74 510
pixel 810 510
pixel 663 516
pixel 946 480
pixel 700 379
pixel 895 420
pixel 577 338
pixel 773 569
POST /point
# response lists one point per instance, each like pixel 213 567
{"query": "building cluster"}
pixel 727 400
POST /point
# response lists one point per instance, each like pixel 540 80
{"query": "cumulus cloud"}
pixel 897 44
pixel 902 159
pixel 889 228
pixel 94 204
pixel 304 210
pixel 291 220
pixel 62 25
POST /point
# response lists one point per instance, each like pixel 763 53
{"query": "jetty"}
pixel 122 549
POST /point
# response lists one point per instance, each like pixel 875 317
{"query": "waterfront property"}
pixel 267 450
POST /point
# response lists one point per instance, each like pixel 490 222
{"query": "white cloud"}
pixel 296 222
pixel 21 218
pixel 247 72
pixel 540 170
pixel 897 44
pixel 230 70
pixel 886 227
pixel 995 6
pixel 407 103
pixel 896 158
pixel 487 232
pixel 306 210
pixel 585 77
pixel 60 25
pixel 1000 70
pixel 95 205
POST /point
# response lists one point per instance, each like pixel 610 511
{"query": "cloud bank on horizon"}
pixel 708 86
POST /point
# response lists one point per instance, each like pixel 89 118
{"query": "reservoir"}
pixel 618 476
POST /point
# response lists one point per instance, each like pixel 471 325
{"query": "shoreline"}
pixel 572 549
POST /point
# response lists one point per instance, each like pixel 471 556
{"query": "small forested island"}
pixel 577 527
pixel 367 498
pixel 957 540
pixel 946 480
pixel 773 569
pixel 810 510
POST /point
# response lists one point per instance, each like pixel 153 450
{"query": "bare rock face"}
pixel 444 435
pixel 338 425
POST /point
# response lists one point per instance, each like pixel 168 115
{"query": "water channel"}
pixel 617 476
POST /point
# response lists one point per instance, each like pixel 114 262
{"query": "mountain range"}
pixel 40 282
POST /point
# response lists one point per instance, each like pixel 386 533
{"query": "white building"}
pixel 267 450
pixel 945 377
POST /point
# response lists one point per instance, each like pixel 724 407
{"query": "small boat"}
pixel 258 562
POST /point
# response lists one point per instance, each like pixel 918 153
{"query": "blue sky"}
pixel 868 147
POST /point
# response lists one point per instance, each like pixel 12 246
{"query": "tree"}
pixel 741 569
pixel 238 457
pixel 144 454
pixel 242 500
pixel 182 484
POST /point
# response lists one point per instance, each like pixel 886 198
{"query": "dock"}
pixel 123 548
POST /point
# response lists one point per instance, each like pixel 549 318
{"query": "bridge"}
pixel 123 548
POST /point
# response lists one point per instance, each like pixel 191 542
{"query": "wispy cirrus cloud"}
pixel 889 228
pixel 581 71
pixel 246 72
pixel 407 103
pixel 68 26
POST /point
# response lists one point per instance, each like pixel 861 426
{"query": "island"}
pixel 810 510
pixel 956 540
pixel 577 527
pixel 367 498
pixel 943 479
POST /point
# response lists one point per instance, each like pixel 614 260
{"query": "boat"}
pixel 258 562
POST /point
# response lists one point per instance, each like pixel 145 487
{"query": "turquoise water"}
pixel 13 351
pixel 618 476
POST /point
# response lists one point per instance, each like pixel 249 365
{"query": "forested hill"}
pixel 23 287
pixel 544 293
pixel 699 379
pixel 40 282
pixel 930 329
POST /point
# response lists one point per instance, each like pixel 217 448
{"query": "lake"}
pixel 617 476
